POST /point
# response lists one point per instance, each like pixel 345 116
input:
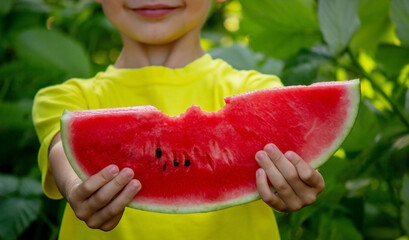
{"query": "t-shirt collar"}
pixel 159 74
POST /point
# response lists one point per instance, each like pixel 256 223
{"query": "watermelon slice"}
pixel 203 161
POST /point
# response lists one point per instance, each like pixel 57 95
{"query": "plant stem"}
pixel 377 88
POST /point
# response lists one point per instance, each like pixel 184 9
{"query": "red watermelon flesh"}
pixel 203 161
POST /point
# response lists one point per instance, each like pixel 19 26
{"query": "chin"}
pixel 158 40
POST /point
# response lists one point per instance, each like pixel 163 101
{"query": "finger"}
pixel 286 168
pixel 307 174
pixel 266 194
pixel 117 205
pixel 104 195
pixel 112 223
pixel 284 190
pixel 95 182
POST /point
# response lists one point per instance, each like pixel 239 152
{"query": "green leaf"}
pixel 53 49
pixel 407 103
pixel 392 58
pixel 303 68
pixel 339 21
pixel 337 228
pixel 16 215
pixel 30 187
pixel 241 57
pixel 14 115
pixel 369 36
pixel 371 11
pixel 17 128
pixel 281 27
pixel 34 6
pixel 399 12
pixel 16 84
pixel 238 56
pixel 364 131
pixel 405 200
pixel 8 184
pixel 26 186
pixel 401 143
pixel 5 6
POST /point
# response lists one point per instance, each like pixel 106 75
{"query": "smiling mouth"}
pixel 154 11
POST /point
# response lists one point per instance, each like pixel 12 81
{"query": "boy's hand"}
pixel 295 183
pixel 99 201
pixel 96 201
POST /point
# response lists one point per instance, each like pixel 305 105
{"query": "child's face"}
pixel 156 21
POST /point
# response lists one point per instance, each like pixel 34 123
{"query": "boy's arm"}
pixel 295 183
pixel 95 201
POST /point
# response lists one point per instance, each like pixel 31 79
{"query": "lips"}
pixel 154 11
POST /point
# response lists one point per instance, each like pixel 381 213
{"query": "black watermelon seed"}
pixel 176 163
pixel 164 166
pixel 158 153
pixel 187 162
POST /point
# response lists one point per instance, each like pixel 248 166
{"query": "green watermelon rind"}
pixel 70 156
pixel 355 93
pixel 196 208
pixel 354 90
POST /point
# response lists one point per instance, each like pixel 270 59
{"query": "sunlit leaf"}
pixel 281 27
pixel 339 21
pixel 371 11
pixel 399 12
pixel 16 215
pixel 370 35
pixel 376 26
pixel 54 49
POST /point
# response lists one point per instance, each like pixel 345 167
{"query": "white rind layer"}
pixel 355 93
pixel 250 197
pixel 65 138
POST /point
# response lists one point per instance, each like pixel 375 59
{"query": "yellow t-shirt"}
pixel 203 82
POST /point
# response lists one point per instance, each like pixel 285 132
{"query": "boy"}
pixel 161 64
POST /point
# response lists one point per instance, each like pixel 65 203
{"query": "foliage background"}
pixel 44 42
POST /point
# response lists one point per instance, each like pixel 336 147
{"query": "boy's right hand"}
pixel 96 201
pixel 99 201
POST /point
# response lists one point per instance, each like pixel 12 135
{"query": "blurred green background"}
pixel 44 42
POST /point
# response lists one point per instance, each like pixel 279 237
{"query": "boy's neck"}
pixel 174 54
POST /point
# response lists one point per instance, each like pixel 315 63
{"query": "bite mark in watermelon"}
pixel 203 161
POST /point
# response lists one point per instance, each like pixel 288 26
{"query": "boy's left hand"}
pixel 295 183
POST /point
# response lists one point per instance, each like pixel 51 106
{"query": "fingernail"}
pixel 289 155
pixel 135 185
pixel 113 169
pixel 260 172
pixel 126 172
pixel 260 155
pixel 270 148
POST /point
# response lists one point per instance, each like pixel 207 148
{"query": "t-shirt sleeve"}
pixel 256 81
pixel 49 104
